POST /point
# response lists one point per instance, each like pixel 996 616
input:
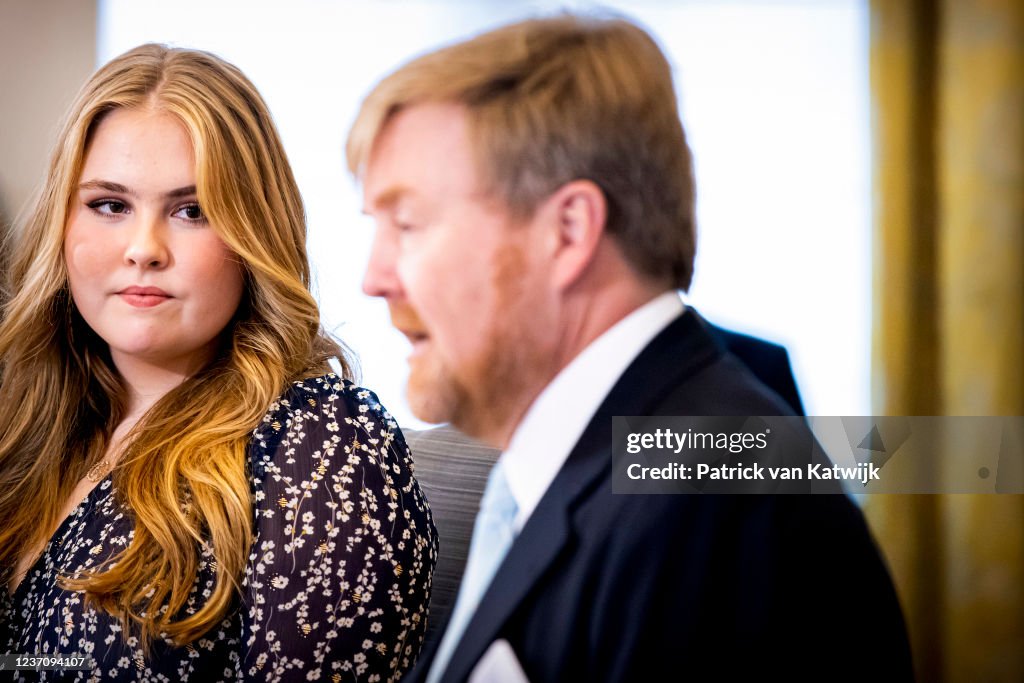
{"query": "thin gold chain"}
pixel 99 470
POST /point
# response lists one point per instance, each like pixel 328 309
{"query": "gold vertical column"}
pixel 981 256
pixel 948 92
pixel 906 343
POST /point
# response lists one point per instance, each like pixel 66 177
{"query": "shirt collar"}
pixel 556 419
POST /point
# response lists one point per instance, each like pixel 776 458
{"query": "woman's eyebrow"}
pixel 109 186
pixel 105 185
pixel 186 191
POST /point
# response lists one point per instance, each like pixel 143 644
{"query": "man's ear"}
pixel 577 213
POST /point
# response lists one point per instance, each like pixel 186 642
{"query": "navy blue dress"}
pixel 338 579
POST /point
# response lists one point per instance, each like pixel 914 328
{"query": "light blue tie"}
pixel 493 534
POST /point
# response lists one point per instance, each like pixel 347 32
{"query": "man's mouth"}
pixel 417 339
pixel 408 323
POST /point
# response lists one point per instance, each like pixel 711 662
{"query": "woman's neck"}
pixel 148 382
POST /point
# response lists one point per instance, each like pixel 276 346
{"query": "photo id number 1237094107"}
pixel 39 662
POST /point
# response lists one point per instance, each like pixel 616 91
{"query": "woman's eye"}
pixel 108 207
pixel 191 212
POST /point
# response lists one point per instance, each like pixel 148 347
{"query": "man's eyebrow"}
pixel 109 186
pixel 386 200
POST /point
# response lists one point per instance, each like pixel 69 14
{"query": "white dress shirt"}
pixel 555 421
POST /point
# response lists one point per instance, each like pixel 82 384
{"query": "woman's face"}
pixel 147 272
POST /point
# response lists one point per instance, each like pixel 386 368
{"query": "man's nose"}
pixel 381 277
pixel 147 244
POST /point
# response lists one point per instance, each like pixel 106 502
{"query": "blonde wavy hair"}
pixel 184 474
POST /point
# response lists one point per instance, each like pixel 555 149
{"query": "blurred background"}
pixel 774 99
pixel 860 171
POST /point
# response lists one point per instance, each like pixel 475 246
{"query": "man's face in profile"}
pixel 456 272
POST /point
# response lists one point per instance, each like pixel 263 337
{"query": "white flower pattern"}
pixel 338 579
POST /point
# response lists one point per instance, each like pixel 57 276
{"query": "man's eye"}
pixel 108 207
pixel 191 212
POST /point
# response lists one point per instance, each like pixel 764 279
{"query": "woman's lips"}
pixel 144 297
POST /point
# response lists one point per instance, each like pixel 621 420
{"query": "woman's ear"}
pixel 576 213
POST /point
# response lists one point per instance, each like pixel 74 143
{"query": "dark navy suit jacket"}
pixel 769 362
pixel 603 587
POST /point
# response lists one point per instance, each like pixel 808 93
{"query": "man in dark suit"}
pixel 452 469
pixel 533 197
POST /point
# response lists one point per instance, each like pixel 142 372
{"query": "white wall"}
pixel 47 50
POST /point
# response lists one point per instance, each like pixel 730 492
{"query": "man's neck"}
pixel 584 319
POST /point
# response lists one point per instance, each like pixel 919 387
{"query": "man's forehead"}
pixel 413 131
pixel 424 149
pixel 433 117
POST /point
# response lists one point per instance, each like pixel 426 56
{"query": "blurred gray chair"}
pixel 452 471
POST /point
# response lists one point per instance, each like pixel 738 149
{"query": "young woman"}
pixel 186 490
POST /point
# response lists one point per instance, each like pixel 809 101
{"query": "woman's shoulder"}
pixel 317 411
pixel 314 399
pixel 342 531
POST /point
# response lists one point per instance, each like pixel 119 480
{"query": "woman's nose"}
pixel 147 246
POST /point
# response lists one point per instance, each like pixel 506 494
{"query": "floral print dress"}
pixel 338 578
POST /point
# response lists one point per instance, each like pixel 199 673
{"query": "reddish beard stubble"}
pixel 486 395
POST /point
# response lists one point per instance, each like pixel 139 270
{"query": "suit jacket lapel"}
pixel 680 349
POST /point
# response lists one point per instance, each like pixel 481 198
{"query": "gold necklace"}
pixel 98 471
